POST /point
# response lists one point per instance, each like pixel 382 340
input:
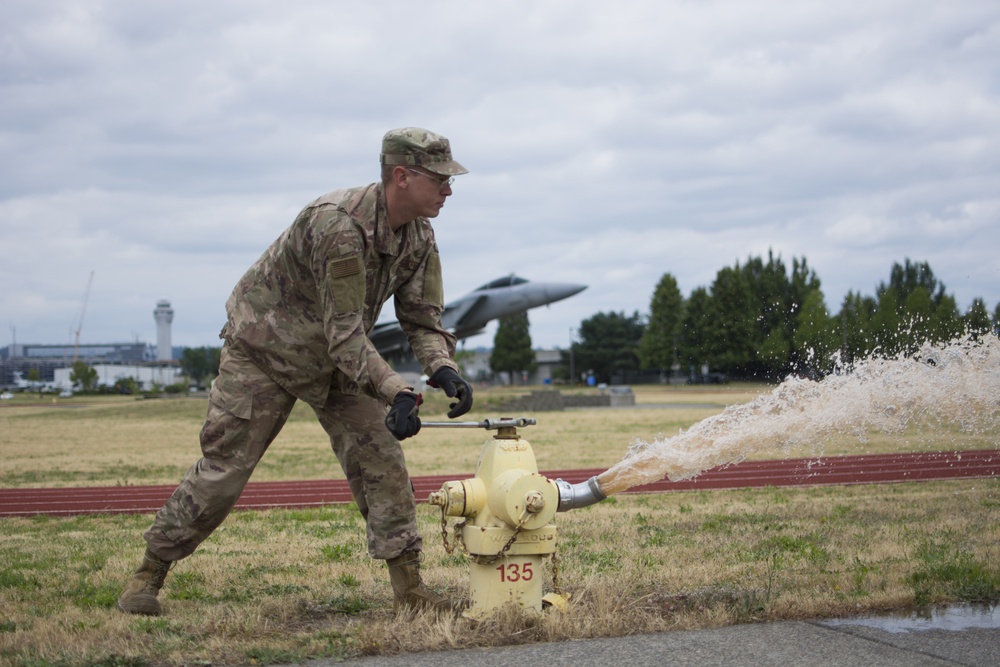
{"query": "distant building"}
pixel 146 377
pixel 18 359
pixel 477 368
pixel 163 315
pixel 22 358
pixel 111 353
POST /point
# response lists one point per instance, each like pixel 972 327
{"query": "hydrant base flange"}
pixel 489 541
pixel 510 580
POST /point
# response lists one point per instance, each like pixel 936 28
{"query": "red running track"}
pixel 866 469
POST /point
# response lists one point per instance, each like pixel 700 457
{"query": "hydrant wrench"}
pixel 488 424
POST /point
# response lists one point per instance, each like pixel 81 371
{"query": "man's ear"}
pixel 400 177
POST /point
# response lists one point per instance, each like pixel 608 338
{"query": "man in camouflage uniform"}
pixel 297 328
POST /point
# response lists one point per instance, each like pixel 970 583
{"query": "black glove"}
pixel 402 420
pixel 454 386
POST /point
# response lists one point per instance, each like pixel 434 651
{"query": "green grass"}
pixel 286 586
pixel 946 569
pixel 638 564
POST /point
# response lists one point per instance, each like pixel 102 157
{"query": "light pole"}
pixel 572 370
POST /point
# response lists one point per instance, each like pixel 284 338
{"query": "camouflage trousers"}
pixel 246 412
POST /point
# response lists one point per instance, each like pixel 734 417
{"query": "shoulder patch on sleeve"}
pixel 433 284
pixel 347 266
pixel 346 280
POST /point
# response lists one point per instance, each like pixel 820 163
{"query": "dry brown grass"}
pixel 287 585
pixel 111 441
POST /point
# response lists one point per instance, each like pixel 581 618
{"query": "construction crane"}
pixel 79 321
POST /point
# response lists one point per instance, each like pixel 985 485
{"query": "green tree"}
pixel 462 358
pixel 887 325
pixel 996 320
pixel 126 385
pixel 512 346
pixel 35 377
pixel 947 323
pixel 609 345
pixel 658 345
pixel 199 363
pixel 733 317
pixel 804 285
pixel 905 278
pixel 83 376
pixel 694 341
pixel 773 311
pixel 913 308
pixel 917 320
pixel 815 338
pixel 777 296
pixel 856 326
pixel 977 319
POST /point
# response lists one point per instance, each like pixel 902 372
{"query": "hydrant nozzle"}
pixel 575 496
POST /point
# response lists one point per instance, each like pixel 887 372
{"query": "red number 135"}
pixel 512 572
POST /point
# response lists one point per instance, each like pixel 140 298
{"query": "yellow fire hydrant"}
pixel 509 509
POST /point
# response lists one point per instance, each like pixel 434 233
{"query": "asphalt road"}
pixel 782 644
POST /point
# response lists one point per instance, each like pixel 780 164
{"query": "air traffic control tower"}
pixel 164 315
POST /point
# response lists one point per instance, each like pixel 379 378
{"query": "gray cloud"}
pixel 164 145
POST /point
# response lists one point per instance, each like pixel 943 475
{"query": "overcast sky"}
pixel 164 145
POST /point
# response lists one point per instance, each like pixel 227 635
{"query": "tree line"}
pixel 758 320
pixel 761 320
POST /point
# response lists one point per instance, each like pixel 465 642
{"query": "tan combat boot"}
pixel 410 592
pixel 139 596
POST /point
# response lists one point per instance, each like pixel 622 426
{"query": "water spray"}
pixel 508 506
pixel 508 509
pixel 955 383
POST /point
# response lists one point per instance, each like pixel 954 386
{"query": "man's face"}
pixel 427 190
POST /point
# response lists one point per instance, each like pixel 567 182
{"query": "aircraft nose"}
pixel 558 291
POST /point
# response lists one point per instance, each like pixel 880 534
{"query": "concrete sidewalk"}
pixel 782 644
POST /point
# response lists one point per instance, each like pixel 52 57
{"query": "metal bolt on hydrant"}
pixel 508 508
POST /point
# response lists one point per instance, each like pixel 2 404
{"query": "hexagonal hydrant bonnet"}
pixel 508 507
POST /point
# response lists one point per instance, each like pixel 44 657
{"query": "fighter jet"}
pixel 31 385
pixel 469 315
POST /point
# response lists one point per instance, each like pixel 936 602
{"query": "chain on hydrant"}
pixel 507 529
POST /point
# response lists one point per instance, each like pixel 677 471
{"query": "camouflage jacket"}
pixel 303 311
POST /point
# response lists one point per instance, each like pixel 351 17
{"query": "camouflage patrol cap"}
pixel 420 148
